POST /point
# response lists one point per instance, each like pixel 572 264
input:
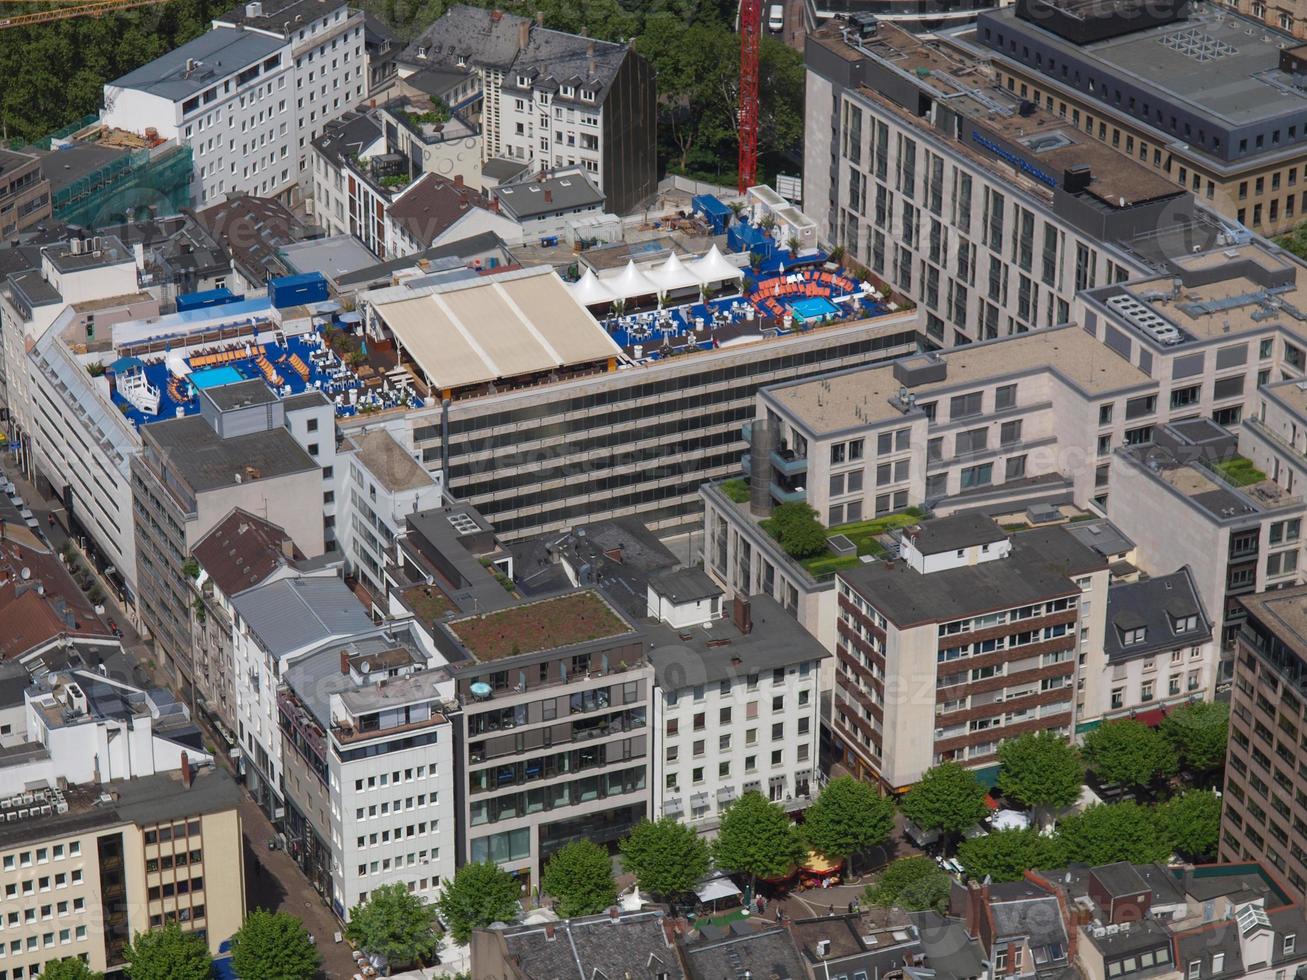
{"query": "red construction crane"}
pixel 750 33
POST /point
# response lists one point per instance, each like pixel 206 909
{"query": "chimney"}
pixel 549 932
pixel 186 770
pixel 523 34
pixel 742 615
pixel 976 895
pixel 344 662
pixel 614 915
pixel 549 196
pixel 540 18
pixel 458 180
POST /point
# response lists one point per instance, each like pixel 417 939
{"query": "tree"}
pixel 798 530
pixel 168 954
pixel 948 799
pixel 400 926
pixel 1192 822
pixel 1108 832
pixel 580 877
pixel 1197 732
pixel 849 816
pixel 911 882
pixel 1040 770
pixel 69 968
pixel 275 946
pixel 1129 753
pixel 1004 855
pixel 666 857
pixel 757 838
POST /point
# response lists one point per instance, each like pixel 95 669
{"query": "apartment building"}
pixel 249 94
pixel 737 701
pixel 972 634
pixel 562 431
pixel 988 210
pixel 84 869
pixel 551 99
pixel 191 472
pixel 369 778
pixel 24 193
pixel 1157 653
pixel 1127 79
pixel 1262 817
pixel 1019 927
pixel 385 484
pixel 242 551
pixel 556 698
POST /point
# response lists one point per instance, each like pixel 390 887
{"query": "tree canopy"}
pixel 757 838
pixel 1108 832
pixel 1197 732
pixel 168 954
pixel 796 527
pixel 1192 822
pixel 1039 770
pixel 849 816
pixel 1129 753
pixel 275 946
pixel 949 799
pixel 69 968
pixel 1005 855
pixel 398 924
pixel 666 857
pixel 580 878
pixel 913 883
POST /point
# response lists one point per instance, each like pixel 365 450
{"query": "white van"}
pixel 776 18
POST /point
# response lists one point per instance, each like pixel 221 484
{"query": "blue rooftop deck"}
pixel 301 363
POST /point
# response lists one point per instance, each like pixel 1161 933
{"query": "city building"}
pixel 240 552
pixel 972 634
pixel 737 700
pixel 572 463
pixel 438 211
pixel 42 609
pixel 24 193
pixel 1020 927
pixel 1158 652
pixel 249 94
pixel 636 944
pixel 987 209
pixel 1137 78
pixel 253 230
pixel 543 207
pixel 191 471
pixel 1145 920
pixel 551 99
pixel 556 696
pixel 368 766
pixel 385 484
pixel 744 948
pixel 485 252
pixel 87 867
pixel 1265 715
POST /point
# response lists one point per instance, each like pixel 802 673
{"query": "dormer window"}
pixel 422 52
pixel 587 95
pixel 461 61
pixel 567 91
pixel 1130 637
pixel 523 81
pixel 1184 624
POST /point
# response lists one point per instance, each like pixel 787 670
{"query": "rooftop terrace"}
pixel 867 396
pixel 547 624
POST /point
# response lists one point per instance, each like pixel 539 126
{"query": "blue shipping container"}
pixel 205 299
pixel 309 287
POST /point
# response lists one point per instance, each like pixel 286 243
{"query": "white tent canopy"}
pixel 1010 820
pixel 630 283
pixel 590 291
pixel 674 274
pixel 714 888
pixel 713 267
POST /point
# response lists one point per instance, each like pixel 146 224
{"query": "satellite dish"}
pixel 364 667
pixel 26 573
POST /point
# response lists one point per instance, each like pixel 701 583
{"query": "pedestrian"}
pixel 49 519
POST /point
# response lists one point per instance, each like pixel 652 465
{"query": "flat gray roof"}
pixel 220 52
pixel 531 199
pixel 1233 85
pixel 684 658
pixel 206 461
pixel 294 613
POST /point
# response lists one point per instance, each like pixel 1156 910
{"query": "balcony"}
pixel 787 462
pixel 798 495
